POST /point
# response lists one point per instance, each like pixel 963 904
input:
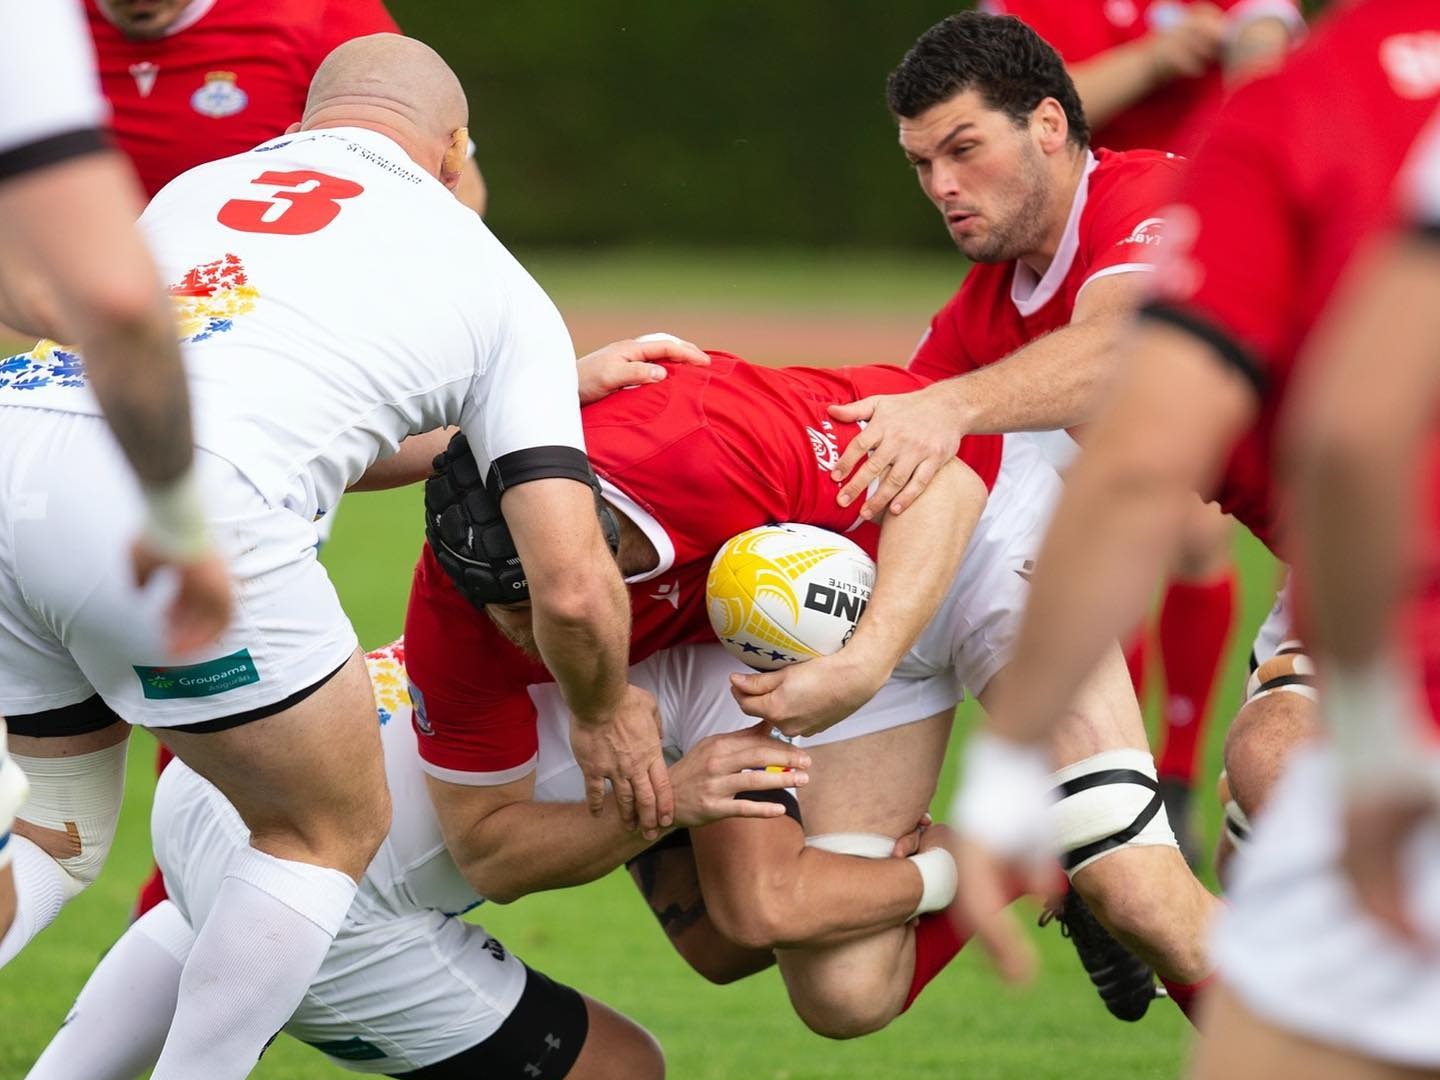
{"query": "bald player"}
pixel 312 352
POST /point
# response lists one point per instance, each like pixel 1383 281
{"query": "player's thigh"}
pixel 880 782
pixel 1239 1045
pixel 1104 715
pixel 308 780
pixel 616 1048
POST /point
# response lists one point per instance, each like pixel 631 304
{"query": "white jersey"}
pixel 334 298
pixel 50 101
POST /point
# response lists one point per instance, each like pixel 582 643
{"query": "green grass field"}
pixel 601 938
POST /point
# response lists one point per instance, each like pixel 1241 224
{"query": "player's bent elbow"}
pixel 845 1008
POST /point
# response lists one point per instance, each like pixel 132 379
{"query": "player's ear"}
pixel 293 128
pixel 454 160
pixel 1050 124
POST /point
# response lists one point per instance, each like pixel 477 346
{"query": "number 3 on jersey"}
pixel 311 203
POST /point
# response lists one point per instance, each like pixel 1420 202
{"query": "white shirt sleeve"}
pixel 49 89
pixel 522 415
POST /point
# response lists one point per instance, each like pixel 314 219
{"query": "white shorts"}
pixel 393 994
pixel 1278 627
pixel 1300 952
pixel 691 684
pixel 972 635
pixel 73 624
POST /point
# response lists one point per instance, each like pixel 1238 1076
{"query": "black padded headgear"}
pixel 467 532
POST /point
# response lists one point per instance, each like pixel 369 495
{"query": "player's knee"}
pixel 845 1008
pixel 1106 803
pixel 1279 714
pixel 73 809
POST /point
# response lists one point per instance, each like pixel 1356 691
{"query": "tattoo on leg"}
pixel 675 919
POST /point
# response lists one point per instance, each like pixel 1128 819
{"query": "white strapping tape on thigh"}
pixel 1105 803
pixel 867 845
pixel 78 799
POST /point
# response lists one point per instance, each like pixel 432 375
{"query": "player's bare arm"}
pixel 1120 518
pixel 124 326
pixel 1117 526
pixel 917 558
pixel 1355 445
pixel 1056 381
pixel 765 889
pixel 582 629
pixel 1117 78
pixel 508 845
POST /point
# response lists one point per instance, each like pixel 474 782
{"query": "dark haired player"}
pixel 993 126
pixel 1296 173
pixel 1150 75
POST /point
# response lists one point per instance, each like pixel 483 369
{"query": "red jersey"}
pixel 1276 202
pixel 227 76
pixel 693 460
pixel 1173 115
pixel 1114 221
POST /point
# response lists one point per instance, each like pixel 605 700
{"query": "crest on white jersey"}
pixel 827 451
pixel 220 96
pixel 144 74
pixel 1412 63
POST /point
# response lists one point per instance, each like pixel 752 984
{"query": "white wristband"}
pixel 1004 797
pixel 938 879
pixel 174 518
pixel 1375 715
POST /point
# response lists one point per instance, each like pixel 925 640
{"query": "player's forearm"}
pixel 919 553
pixel 1114 80
pixel 765 889
pixel 1056 381
pixel 135 370
pixel 580 607
pixel 410 464
pixel 530 847
pixel 1114 533
pixel 1356 438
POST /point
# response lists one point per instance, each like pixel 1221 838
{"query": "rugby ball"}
pixel 784 593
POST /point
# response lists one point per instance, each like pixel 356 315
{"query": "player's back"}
pixel 333 298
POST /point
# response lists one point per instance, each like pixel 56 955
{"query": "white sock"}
pixel 118 1023
pixel 39 894
pixel 253 959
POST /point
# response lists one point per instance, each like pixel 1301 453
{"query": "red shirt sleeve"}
pixel 342 20
pixel 941 352
pixel 474 720
pixel 1231 257
pixel 1122 223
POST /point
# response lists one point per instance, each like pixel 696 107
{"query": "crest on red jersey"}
pixel 144 75
pixel 220 96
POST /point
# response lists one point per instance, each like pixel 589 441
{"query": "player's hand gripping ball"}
pixel 784 593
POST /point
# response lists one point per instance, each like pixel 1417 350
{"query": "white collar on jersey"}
pixel 193 13
pixel 1030 294
pixel 653 530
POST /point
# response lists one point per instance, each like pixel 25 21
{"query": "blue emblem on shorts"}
pixel 422 722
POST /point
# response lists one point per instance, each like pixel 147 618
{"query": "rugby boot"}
pixel 1125 983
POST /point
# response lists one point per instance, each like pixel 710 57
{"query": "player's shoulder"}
pixel 1120 171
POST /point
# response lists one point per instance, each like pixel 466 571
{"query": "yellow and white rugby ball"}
pixel 784 593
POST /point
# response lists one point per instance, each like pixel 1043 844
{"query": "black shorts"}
pixel 539 1040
